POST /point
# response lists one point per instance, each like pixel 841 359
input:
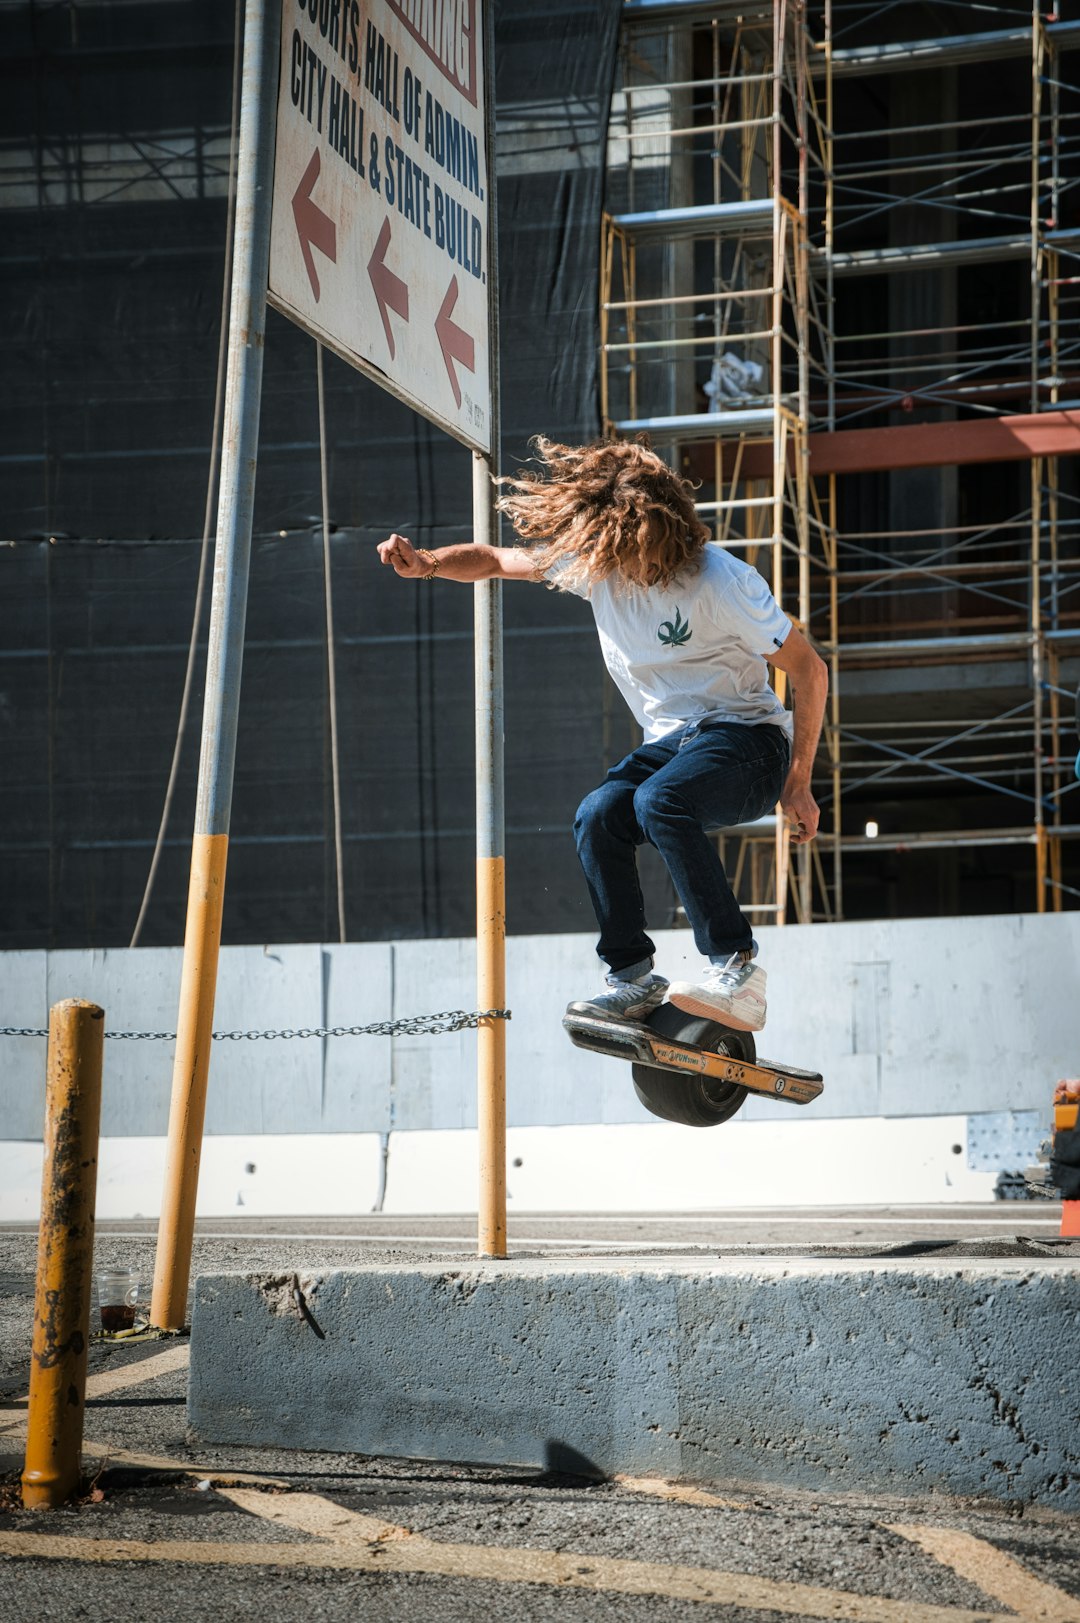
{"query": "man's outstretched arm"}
pixel 809 676
pixel 471 561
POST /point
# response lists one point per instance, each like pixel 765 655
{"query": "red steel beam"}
pixel 938 445
pixel 922 445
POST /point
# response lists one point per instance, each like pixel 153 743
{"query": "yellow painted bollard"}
pixel 65 1254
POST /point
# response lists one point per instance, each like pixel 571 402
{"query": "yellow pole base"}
pixel 491 1054
pixel 191 1069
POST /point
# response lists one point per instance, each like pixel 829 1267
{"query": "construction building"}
pixel 824 255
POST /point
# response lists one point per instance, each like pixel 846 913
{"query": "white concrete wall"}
pixel 919 1018
pixel 789 1160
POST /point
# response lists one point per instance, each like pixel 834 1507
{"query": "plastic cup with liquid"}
pixel 118 1300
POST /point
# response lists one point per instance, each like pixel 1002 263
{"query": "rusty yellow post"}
pixel 65 1254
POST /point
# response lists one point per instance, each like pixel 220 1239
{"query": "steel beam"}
pixel 932 255
pixel 902 56
pixel 884 450
pixel 708 220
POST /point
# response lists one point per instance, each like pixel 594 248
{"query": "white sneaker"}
pixel 733 993
pixel 624 1000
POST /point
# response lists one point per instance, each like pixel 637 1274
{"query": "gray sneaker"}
pixel 624 1000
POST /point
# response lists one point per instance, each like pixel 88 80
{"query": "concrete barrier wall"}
pixel 913 1018
pixel 829 1375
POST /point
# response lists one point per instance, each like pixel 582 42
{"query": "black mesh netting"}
pixel 114 129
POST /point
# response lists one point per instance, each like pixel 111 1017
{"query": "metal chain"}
pixel 416 1025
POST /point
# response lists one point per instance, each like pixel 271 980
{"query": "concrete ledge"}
pixel 896 1377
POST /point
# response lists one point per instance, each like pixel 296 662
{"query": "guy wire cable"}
pixel 211 483
pixel 331 656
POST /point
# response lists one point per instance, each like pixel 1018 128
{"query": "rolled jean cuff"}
pixel 633 973
pixel 721 958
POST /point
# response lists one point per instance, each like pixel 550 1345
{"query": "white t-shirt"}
pixel 693 649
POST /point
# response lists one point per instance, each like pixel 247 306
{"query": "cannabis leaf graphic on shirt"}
pixel 674 633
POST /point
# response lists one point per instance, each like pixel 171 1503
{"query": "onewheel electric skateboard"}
pixel 693 1071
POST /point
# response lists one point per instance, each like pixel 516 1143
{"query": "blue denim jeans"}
pixel 666 794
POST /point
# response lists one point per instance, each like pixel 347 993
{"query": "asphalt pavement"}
pixel 167 1527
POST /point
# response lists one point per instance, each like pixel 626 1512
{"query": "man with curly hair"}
pixel 686 630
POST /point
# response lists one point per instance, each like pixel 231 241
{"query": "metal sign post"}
pixel 383 248
pixel 490 818
pixel 373 140
pixel 228 613
pixel 490 885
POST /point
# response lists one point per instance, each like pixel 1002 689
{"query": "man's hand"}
pixel 403 558
pixel 800 807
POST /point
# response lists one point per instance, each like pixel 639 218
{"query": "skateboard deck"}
pixel 633 1041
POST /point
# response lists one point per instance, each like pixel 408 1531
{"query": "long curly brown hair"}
pixel 613 508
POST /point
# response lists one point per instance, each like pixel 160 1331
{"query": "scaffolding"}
pixel 722 285
pixel 883 285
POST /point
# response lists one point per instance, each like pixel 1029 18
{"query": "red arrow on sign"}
pixel 390 291
pixel 313 227
pixel 455 343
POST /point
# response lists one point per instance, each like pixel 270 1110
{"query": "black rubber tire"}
pixel 681 1096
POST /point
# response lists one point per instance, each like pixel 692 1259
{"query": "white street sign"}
pixel 378 243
